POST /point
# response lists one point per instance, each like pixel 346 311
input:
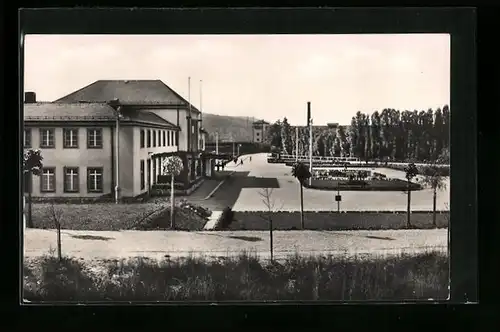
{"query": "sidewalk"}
pixel 158 244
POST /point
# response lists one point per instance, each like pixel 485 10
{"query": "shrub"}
pixel 225 219
pixel 245 277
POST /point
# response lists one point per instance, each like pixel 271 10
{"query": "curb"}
pixel 218 186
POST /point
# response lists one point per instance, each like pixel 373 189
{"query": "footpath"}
pixel 158 244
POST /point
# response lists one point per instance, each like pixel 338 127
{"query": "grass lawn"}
pixel 421 276
pixel 112 217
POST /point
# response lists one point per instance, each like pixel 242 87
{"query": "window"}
pixel 143 180
pixel 149 138
pixel 154 138
pixel 142 138
pixel 70 138
pixel 48 180
pixel 27 138
pixel 176 136
pixel 47 138
pixel 71 180
pixel 94 138
pixel 257 134
pixel 94 179
pixel 164 138
pixel 168 138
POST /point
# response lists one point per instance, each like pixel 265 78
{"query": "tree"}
pixel 56 215
pixel 32 165
pixel 444 156
pixel 410 172
pixel 269 202
pixel 433 179
pixel 301 172
pixel 172 166
pixel 274 134
pixel 344 142
pixel 286 138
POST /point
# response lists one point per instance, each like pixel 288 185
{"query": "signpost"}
pixel 338 199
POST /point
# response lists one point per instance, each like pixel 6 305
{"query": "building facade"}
pixel 259 131
pixel 78 138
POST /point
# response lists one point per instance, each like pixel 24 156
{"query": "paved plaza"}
pixel 252 176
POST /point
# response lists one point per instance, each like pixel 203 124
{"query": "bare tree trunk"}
pixel 30 214
pixel 59 249
pixel 271 238
pixel 172 204
pixel 408 221
pixel 434 224
pixel 301 206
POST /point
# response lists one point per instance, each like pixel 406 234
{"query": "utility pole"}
pixel 115 104
pixel 310 141
pixel 216 142
pixel 189 122
pixel 297 143
pixel 201 114
pixel 117 154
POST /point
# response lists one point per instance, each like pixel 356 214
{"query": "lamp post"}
pixel 115 104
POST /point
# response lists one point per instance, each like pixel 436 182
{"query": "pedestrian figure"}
pixel 250 158
pixel 241 162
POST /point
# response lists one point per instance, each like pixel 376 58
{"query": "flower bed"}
pixel 367 185
pixel 442 170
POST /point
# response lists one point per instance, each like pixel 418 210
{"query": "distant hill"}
pixel 238 128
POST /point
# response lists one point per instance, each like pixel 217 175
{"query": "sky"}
pixel 266 76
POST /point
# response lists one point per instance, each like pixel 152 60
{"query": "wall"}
pixel 126 161
pixel 144 154
pixel 326 220
pixel 81 157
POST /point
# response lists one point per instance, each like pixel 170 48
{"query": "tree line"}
pixel 386 135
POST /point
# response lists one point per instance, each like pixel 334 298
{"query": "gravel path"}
pixel 158 244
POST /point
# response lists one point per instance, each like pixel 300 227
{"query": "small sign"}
pixel 338 198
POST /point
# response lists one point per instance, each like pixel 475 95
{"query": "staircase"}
pixel 212 220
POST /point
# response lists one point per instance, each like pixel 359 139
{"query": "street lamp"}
pixel 115 104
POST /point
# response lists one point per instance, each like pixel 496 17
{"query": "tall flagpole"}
pixel 201 107
pixel 297 143
pixel 310 141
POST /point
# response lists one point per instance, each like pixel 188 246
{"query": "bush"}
pixel 239 279
pixel 225 219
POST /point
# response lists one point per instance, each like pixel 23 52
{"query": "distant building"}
pixel 77 135
pixel 259 131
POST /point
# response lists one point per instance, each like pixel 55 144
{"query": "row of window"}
pixel 71 177
pixel 70 138
pixel 158 138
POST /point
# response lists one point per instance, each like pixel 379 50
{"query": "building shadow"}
pixel 229 192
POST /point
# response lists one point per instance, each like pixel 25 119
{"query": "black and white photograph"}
pixel 236 167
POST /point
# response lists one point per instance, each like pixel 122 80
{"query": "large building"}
pixel 259 131
pixel 82 156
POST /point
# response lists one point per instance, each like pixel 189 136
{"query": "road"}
pixel 244 191
pixel 158 244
